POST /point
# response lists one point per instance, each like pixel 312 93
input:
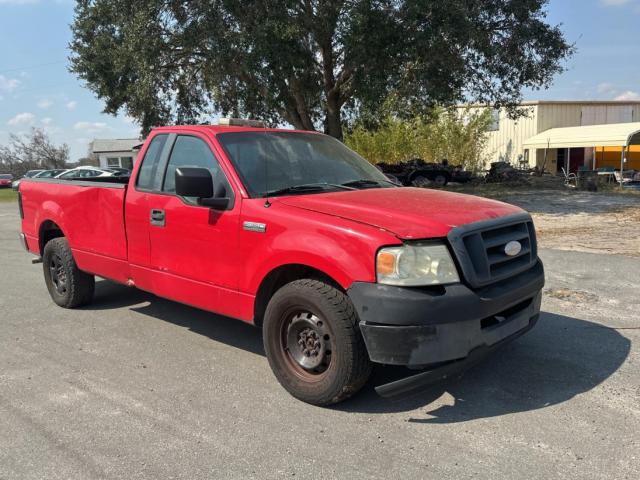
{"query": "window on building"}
pixel 494 126
pixel 113 161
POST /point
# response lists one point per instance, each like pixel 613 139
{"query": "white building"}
pixel 508 138
pixel 119 152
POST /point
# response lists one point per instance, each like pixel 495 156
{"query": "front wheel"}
pixel 68 286
pixel 313 342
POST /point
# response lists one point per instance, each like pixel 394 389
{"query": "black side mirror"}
pixel 216 203
pixel 198 182
pixel 194 182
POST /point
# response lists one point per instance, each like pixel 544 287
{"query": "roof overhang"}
pixel 612 135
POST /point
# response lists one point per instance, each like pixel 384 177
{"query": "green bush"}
pixel 457 135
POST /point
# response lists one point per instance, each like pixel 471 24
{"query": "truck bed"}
pixel 96 234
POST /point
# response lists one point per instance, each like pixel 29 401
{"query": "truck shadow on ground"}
pixel 560 358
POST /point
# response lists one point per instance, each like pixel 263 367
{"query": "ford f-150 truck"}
pixel 295 233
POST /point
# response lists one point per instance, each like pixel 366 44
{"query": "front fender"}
pixel 342 249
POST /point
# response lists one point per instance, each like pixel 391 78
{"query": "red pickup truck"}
pixel 295 233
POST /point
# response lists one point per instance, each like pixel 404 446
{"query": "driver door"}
pixel 193 249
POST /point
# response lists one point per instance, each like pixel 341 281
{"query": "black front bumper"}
pixel 421 327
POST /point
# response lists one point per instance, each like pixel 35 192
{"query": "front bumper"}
pixel 420 327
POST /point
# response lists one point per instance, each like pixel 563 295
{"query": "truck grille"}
pixel 480 249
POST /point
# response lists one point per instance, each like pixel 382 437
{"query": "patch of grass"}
pixel 8 195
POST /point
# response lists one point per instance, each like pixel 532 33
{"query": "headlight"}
pixel 416 265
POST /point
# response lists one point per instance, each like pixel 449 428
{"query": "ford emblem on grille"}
pixel 512 248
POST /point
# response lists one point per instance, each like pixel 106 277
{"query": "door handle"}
pixel 157 217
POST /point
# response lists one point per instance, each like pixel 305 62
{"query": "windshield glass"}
pixel 6 176
pixel 277 161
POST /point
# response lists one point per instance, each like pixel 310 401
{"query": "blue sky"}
pixel 37 90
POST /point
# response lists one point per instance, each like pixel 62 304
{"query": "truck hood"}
pixel 408 213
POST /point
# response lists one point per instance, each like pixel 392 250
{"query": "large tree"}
pixel 32 151
pixel 310 63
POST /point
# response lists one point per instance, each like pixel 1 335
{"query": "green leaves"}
pixel 314 64
pixel 459 135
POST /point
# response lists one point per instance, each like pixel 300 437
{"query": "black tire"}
pixel 68 286
pixel 420 181
pixel 441 180
pixel 344 366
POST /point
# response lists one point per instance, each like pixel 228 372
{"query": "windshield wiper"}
pixel 307 187
pixel 363 182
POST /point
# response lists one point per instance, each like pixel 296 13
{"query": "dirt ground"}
pixel 580 221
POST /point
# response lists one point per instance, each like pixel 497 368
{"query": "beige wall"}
pixel 507 142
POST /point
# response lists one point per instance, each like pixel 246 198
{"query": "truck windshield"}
pixel 276 163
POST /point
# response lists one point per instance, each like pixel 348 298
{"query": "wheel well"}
pixel 48 231
pixel 281 276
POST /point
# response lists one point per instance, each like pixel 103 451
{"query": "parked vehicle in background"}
pixel 29 174
pixel 51 173
pixel 118 171
pixel 37 174
pixel 85 172
pixel 5 180
pixel 418 173
pixel 295 233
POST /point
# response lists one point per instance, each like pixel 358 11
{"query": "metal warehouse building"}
pixel 541 138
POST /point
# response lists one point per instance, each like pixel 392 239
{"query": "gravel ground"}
pixel 581 221
pixel 138 387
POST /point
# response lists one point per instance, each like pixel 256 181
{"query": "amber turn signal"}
pixel 386 263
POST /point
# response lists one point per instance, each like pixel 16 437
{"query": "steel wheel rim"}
pixel 307 344
pixel 58 274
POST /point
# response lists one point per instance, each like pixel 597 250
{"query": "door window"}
pixel 149 166
pixel 189 152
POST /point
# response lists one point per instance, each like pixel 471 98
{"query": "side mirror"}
pixel 215 203
pixel 194 182
pixel 198 182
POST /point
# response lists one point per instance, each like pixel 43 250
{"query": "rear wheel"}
pixel 313 343
pixel 68 286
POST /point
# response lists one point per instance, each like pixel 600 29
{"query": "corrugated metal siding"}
pixel 505 144
pixel 607 114
pixel 558 115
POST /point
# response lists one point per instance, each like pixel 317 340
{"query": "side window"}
pixel 149 165
pixel 188 152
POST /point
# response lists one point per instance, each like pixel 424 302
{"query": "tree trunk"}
pixel 333 124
